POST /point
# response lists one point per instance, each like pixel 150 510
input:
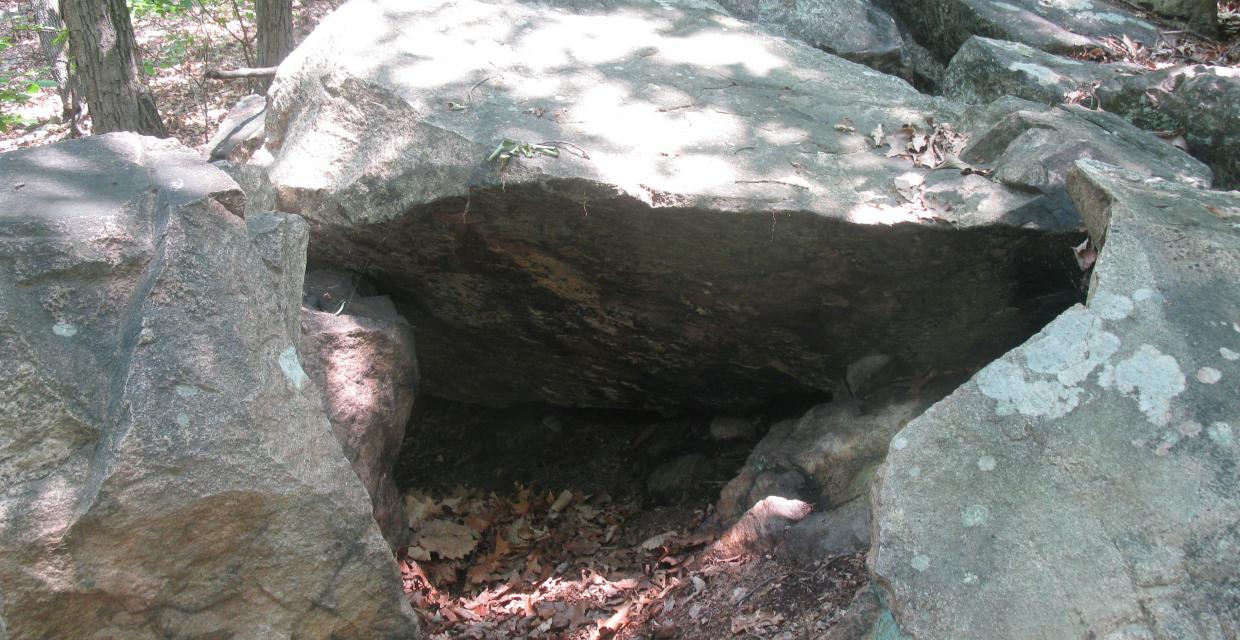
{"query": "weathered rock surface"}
pixel 1057 26
pixel 241 131
pixel 360 352
pixel 856 30
pixel 1199 13
pixel 1035 150
pixel 715 230
pixel 1085 484
pixel 1202 102
pixel 166 467
pixel 827 456
pixel 984 70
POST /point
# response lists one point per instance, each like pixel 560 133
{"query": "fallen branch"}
pixel 235 74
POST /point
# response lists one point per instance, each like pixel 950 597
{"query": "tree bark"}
pixel 101 37
pixel 275 32
pixel 47 17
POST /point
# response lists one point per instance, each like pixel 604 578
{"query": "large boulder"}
pixel 853 29
pixel 360 352
pixel 166 467
pixel 1057 26
pixel 686 212
pixel 985 69
pixel 1086 484
pixel 1199 13
pixel 1201 103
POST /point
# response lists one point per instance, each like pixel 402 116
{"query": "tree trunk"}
pixel 47 17
pixel 107 67
pixel 275 32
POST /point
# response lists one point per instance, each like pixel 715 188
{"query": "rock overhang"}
pixel 707 179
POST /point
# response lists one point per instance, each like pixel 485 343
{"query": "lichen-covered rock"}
pixel 984 70
pixel 1057 26
pixel 360 352
pixel 1085 485
pixel 856 30
pixel 1200 101
pixel 166 466
pixel 1035 150
pixel 713 228
pixel 826 456
pixel 1199 13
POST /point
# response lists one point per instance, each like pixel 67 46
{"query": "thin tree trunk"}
pixel 275 32
pixel 47 17
pixel 107 67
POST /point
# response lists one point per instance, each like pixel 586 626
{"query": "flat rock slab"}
pixel 1058 26
pixel 985 69
pixel 715 228
pixel 1086 484
pixel 166 465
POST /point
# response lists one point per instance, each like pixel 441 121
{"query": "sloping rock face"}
pixel 853 29
pixel 1057 26
pixel 1201 101
pixel 985 69
pixel 166 467
pixel 359 351
pixel 1085 485
pixel 715 228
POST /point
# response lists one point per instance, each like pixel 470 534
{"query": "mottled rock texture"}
pixel 360 352
pixel 166 466
pixel 1201 102
pixel 1058 26
pixel 717 228
pixel 1085 484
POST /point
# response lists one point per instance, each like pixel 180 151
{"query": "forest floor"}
pixel 538 522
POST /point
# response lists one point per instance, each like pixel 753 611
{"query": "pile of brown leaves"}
pixel 1172 49
pixel 534 565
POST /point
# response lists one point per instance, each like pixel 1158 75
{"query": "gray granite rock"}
pixel 853 29
pixel 166 465
pixel 984 70
pixel 1085 484
pixel 1057 26
pixel 716 229
pixel 1036 150
pixel 360 352
pixel 1201 102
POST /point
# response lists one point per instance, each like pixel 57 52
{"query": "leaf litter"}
pixel 572 565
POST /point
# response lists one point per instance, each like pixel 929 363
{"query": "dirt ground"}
pixel 538 522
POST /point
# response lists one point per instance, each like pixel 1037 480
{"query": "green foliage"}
pixel 16 90
pixel 140 8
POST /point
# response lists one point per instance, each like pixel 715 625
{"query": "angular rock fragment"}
pixel 166 467
pixel 984 70
pixel 1057 26
pixel 1085 484
pixel 360 352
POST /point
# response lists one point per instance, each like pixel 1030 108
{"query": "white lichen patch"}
pixel 1044 75
pixel 920 563
pixel 986 463
pixel 1153 378
pixel 974 515
pixel 1142 294
pixel 1008 7
pixel 1220 433
pixel 1228 354
pixel 1068 5
pixel 186 390
pixel 1111 306
pixel 1056 361
pixel 899 442
pixel 291 367
pixel 182 420
pixel 1209 375
pixel 64 329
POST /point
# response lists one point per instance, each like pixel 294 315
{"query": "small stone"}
pixel 1209 375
